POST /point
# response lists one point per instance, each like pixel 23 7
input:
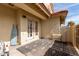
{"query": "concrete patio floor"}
pixel 15 52
pixel 36 48
pixel 44 47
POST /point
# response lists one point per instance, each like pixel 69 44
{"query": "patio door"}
pixel 32 29
pixel 36 29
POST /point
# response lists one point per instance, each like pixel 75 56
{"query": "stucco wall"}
pixel 50 26
pixel 23 26
pixel 65 32
pixel 7 18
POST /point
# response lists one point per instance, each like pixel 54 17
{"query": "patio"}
pixel 45 47
pixel 36 48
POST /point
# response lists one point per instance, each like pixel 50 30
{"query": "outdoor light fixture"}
pixel 10 4
pixel 23 16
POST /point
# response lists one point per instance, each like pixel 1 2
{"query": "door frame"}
pixel 33 29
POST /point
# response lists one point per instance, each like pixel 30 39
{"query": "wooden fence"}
pixel 77 35
pixel 69 34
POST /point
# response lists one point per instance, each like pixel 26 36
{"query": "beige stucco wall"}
pixel 23 26
pixel 68 34
pixel 7 18
pixel 65 32
pixel 50 26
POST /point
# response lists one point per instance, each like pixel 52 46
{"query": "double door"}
pixel 32 29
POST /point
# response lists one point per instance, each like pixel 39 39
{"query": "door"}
pixel 36 34
pixel 13 35
pixel 30 29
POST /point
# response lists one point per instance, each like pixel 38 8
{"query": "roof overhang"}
pixel 31 8
pixel 61 14
pixel 43 8
pixel 39 10
pixel 28 9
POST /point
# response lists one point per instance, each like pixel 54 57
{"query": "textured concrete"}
pixel 36 48
pixel 44 47
pixel 14 52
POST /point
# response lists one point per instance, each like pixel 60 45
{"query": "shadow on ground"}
pixel 61 49
pixel 53 52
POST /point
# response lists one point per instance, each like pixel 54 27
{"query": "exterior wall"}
pixel 9 16
pixel 50 26
pixel 68 34
pixel 7 19
pixel 65 32
pixel 23 26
